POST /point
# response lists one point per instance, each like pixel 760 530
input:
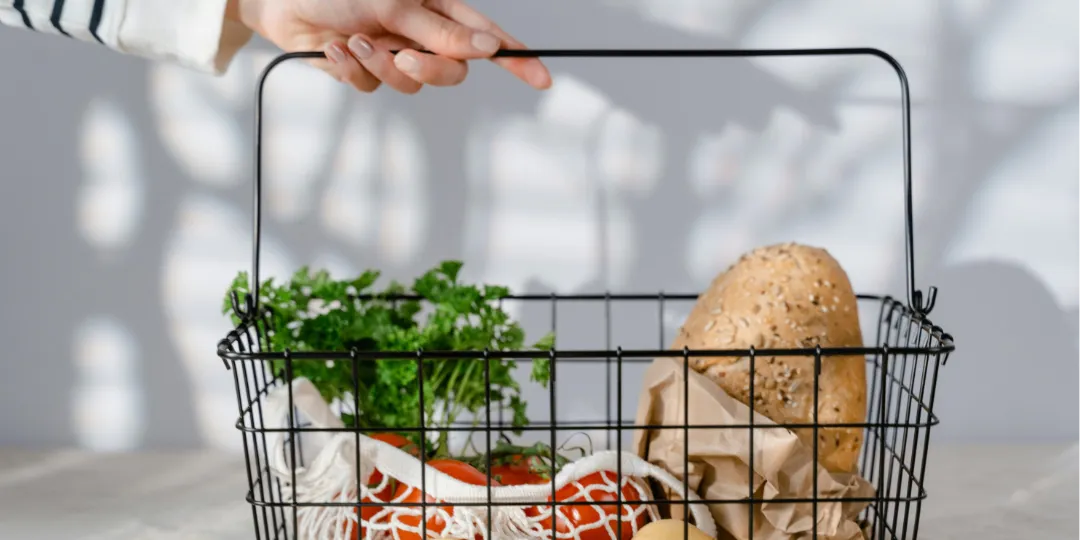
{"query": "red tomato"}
pixel 435 524
pixel 591 489
pixel 376 477
pixel 518 470
pixel 512 475
pixel 385 494
pixel 355 530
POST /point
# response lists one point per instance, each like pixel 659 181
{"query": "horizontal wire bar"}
pixel 584 427
pixel 547 503
pixel 614 297
pixel 584 354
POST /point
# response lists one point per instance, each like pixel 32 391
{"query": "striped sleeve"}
pixel 192 33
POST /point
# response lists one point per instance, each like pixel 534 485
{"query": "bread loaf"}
pixel 780 297
pixel 670 529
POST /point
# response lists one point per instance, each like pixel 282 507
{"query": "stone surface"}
pixel 976 492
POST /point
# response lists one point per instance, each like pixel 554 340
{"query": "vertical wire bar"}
pixel 256 425
pixel 865 453
pixel 663 311
pixel 300 442
pixel 750 472
pixel 268 378
pixel 895 431
pixel 554 316
pixel 274 484
pixel 607 373
pixel 870 457
pixel 356 436
pixel 502 409
pixel 913 404
pixel 552 358
pixel 686 435
pixel 260 386
pixel 896 317
pixel 293 434
pixel 901 455
pixel 487 434
pixel 255 401
pixel 882 420
pixel 885 316
pixel 247 455
pixel 817 422
pixel 618 443
pixel 926 440
pixel 892 396
pixel 423 445
pixel 921 453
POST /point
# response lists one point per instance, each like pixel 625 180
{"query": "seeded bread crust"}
pixel 787 296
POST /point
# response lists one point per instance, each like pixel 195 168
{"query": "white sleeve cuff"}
pixel 191 33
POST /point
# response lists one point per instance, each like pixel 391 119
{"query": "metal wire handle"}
pixel 919 303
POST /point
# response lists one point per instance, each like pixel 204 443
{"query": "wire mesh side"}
pixel 900 412
pixel 901 398
pixel 252 382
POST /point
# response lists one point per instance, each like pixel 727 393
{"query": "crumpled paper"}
pixel 719 462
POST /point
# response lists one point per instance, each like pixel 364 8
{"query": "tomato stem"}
pixel 539 457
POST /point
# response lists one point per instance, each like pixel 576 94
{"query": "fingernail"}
pixel 335 53
pixel 360 47
pixel 539 78
pixel 485 43
pixel 406 63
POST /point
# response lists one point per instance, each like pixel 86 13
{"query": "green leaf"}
pixel 367 279
pixel 495 292
pixel 451 269
pixel 546 343
pixel 461 317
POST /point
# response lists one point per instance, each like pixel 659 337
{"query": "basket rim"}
pixel 943 347
pixel 931 421
pixel 571 355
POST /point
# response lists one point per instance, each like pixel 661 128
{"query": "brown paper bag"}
pixel 719 462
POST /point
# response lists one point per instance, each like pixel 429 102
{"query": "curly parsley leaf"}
pixel 312 311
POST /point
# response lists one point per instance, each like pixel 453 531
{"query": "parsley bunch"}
pixel 314 312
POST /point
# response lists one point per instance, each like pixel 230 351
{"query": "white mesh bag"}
pixel 329 475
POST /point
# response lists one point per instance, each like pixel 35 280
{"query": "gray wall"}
pixel 124 206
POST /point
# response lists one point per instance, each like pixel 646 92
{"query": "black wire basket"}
pixel 902 372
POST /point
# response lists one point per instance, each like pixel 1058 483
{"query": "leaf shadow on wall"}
pixel 1020 320
pixel 682 103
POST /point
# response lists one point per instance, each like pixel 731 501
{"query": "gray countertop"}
pixel 976 492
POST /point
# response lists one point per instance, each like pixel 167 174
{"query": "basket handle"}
pixel 918 302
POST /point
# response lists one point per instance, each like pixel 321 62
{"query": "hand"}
pixel 358 35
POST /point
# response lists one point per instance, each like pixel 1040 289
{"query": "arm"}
pixel 367 41
pixel 193 33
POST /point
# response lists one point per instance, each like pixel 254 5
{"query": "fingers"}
pixel 439 34
pixel 365 66
pixel 380 64
pixel 530 70
pixel 450 29
pixel 431 69
pixel 346 68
